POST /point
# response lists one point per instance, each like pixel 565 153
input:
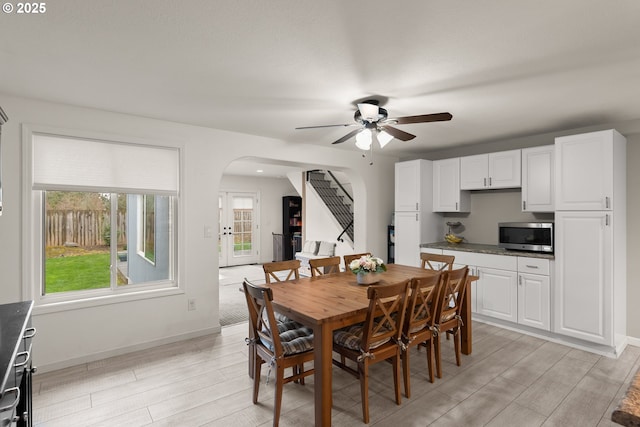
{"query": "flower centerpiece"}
pixel 367 268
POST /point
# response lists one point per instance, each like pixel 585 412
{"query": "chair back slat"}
pixel 428 261
pixel 452 294
pixel 321 266
pixel 422 303
pixel 271 268
pixel 387 305
pixel 262 315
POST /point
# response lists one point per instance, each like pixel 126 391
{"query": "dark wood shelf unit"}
pixel 292 225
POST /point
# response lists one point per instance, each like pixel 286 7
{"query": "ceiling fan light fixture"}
pixel 363 139
pixel 384 138
pixel 369 112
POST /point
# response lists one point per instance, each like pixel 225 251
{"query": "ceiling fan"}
pixel 373 122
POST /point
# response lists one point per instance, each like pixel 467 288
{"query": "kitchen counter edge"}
pixel 484 249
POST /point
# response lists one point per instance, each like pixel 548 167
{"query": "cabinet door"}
pixel 504 169
pixel 407 186
pixel 583 292
pixel 474 172
pixel 447 196
pixel 408 235
pixel 533 301
pixel 497 294
pixel 538 179
pixel 584 171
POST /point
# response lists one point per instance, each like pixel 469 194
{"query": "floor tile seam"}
pixel 525 388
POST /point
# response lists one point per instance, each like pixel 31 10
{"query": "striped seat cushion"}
pixel 351 337
pixel 293 341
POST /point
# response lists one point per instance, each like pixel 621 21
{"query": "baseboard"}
pixel 633 341
pixel 124 350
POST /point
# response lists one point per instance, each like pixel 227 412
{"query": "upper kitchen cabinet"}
pixel 538 179
pixel 587 166
pixel 489 171
pixel 412 185
pixel 447 196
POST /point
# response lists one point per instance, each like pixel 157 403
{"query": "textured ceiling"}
pixel 504 69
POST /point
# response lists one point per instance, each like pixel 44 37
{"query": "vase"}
pixel 367 278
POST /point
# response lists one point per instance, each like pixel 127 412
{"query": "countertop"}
pixel 13 318
pixel 484 249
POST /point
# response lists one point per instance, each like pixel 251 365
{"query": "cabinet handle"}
pixel 606 202
pixel 11 407
pixel 26 356
pixel 417 206
pixel 606 220
pixel 416 217
pixel 520 280
pixel 531 266
pixel 456 205
pixel 489 181
pixel 29 333
pixel 524 205
pixel 484 182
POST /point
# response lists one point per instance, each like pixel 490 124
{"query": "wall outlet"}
pixel 191 304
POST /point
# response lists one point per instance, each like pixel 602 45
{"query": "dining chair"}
pixel 322 266
pixel 377 339
pixel 277 346
pixel 351 257
pixel 436 261
pixel 271 268
pixel 419 323
pixel 448 312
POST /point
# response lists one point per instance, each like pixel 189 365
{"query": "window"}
pixel 104 218
pixel 146 227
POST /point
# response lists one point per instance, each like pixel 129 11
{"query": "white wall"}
pixel 271 192
pixel 69 337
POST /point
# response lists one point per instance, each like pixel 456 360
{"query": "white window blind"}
pixel 65 163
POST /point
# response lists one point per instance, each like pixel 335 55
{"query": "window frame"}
pixel 33 237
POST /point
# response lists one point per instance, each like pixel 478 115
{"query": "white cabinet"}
pixel 412 185
pixel 584 270
pixel 585 170
pixel 590 231
pixel 497 293
pixel 538 179
pixel 511 288
pixel 488 171
pixel 534 293
pixel 447 196
pixel 409 234
pixel 415 222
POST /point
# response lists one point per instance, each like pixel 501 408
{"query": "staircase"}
pixel 333 195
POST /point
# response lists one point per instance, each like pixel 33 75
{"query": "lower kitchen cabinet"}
pixel 515 289
pixel 497 293
pixel 533 301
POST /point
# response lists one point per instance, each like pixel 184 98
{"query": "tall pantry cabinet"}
pixel 590 232
pixel 415 223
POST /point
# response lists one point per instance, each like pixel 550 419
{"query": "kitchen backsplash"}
pixel 488 208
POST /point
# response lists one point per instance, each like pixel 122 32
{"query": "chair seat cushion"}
pixel 351 338
pixel 293 341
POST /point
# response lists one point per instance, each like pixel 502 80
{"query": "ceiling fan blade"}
pixel 327 126
pixel 424 118
pixel 397 133
pixel 347 136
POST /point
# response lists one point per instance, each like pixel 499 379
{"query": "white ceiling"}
pixel 504 69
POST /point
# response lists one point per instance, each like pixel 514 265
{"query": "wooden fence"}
pixel 82 227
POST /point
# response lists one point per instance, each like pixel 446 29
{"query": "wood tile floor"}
pixel 509 380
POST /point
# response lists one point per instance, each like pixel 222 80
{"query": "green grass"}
pixel 79 272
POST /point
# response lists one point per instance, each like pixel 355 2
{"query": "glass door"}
pixel 238 237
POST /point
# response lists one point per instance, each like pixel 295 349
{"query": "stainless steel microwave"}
pixel 526 236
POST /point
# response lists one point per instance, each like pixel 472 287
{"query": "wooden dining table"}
pixel 333 301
